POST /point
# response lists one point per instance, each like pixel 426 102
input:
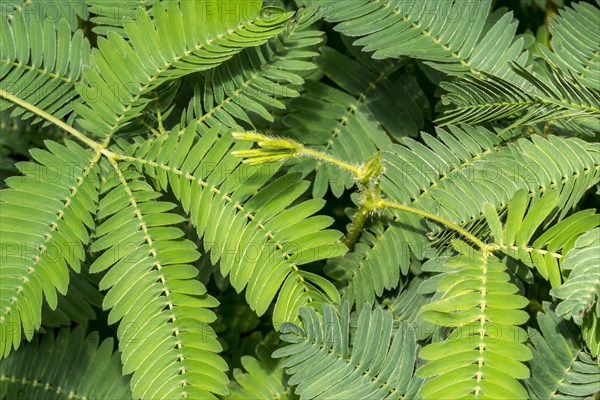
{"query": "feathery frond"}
pixel 249 87
pixel 406 307
pixel 576 44
pixel 162 213
pixel 52 11
pixel 264 377
pixel 320 361
pixel 493 176
pixel 375 103
pixel 111 15
pixel 260 234
pixel 374 265
pixel 185 37
pixel 447 175
pixel 546 251
pixel 560 367
pixel 396 102
pixel 164 336
pixel 484 354
pixel 580 293
pixel 88 369
pixel 45 218
pixel 453 37
pixel 40 63
pixel 555 98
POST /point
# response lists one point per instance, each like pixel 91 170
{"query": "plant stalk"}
pixel 38 111
pixel 356 227
pixel 434 217
pixel 319 155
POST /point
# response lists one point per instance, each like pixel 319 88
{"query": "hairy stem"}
pixel 356 227
pixel 319 155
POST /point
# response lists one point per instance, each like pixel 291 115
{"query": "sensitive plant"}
pixel 358 199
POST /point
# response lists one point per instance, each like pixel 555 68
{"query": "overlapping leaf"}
pixel 180 39
pixel 259 233
pixel 88 369
pixel 377 101
pixel 249 87
pixel 40 63
pixel 582 289
pixel 560 368
pixel 546 252
pixel 263 378
pixel 555 98
pixel 110 15
pixel 320 361
pixel 575 43
pixel 579 295
pixel 375 264
pixel 453 37
pixel 164 336
pixel 413 173
pixel 535 164
pixel 52 11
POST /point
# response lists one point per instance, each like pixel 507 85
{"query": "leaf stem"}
pixel 49 117
pixel 319 155
pixel 434 217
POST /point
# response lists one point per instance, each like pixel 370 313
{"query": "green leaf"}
pixel 560 368
pixel 571 29
pixel 374 102
pixel 320 362
pixel 251 228
pixel 124 72
pixel 454 38
pixel 40 64
pixel 264 377
pixel 482 355
pixel 43 234
pixel 489 211
pixel 550 97
pixel 164 312
pixel 546 253
pixel 254 84
pixel 580 293
pixel 88 368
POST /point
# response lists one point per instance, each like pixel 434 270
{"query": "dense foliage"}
pixel 349 199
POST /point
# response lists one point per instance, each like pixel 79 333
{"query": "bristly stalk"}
pixel 356 227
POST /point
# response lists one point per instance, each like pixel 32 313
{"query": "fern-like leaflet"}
pixel 46 218
pixel 185 37
pixel 484 354
pixel 149 271
pixel 322 364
